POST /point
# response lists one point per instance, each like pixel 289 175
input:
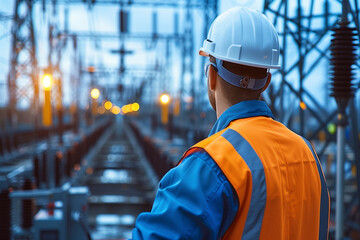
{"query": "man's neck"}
pixel 222 106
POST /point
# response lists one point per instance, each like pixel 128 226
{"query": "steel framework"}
pixel 312 46
pixel 23 86
pixel 305 41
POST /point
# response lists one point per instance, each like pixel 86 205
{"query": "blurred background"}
pixel 100 98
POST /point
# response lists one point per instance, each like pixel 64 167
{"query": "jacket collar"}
pixel 245 109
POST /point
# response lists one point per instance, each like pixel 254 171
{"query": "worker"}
pixel 252 178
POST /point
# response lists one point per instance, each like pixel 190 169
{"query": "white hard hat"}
pixel 244 36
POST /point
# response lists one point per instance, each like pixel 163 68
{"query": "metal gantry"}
pixel 22 81
pixel 57 41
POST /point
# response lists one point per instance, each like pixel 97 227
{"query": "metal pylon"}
pixel 305 31
pixel 23 84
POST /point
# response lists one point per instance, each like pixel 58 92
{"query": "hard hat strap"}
pixel 240 81
pixel 206 68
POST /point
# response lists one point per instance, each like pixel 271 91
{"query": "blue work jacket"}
pixel 195 200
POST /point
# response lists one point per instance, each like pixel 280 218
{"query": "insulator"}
pixel 343 58
pixel 5 215
pixel 27 207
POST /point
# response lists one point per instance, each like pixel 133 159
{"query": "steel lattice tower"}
pixel 301 30
pixel 23 74
pixel 305 29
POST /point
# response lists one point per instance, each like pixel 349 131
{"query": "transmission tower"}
pixel 305 29
pixel 23 85
pixel 306 33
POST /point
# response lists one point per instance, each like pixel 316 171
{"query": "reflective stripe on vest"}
pixel 255 214
pixel 277 178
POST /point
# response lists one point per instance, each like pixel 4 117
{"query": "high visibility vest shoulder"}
pixel 278 179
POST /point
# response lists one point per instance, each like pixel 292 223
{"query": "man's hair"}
pixel 236 94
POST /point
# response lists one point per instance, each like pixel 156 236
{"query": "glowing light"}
pixel 77 167
pixel 89 171
pixel 303 105
pixel 126 109
pixel 47 81
pixel 101 110
pixel 91 69
pixel 108 105
pixel 95 93
pixel 135 107
pixel 46 110
pixel 59 154
pixel 331 127
pixel 115 110
pixel 164 98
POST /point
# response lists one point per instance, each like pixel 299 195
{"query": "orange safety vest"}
pixel 278 179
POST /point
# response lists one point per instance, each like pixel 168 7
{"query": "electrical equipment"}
pixel 63 214
pixel 48 225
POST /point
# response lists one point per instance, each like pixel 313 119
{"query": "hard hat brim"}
pixel 203 53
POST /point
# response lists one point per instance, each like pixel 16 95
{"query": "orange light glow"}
pixel 77 167
pixel 47 81
pixel 303 105
pixel 126 109
pixel 59 154
pixel 108 105
pixel 135 107
pixel 89 171
pixel 95 93
pixel 115 110
pixel 91 69
pixel 101 110
pixel 164 98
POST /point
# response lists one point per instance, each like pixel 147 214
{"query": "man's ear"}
pixel 268 80
pixel 212 78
